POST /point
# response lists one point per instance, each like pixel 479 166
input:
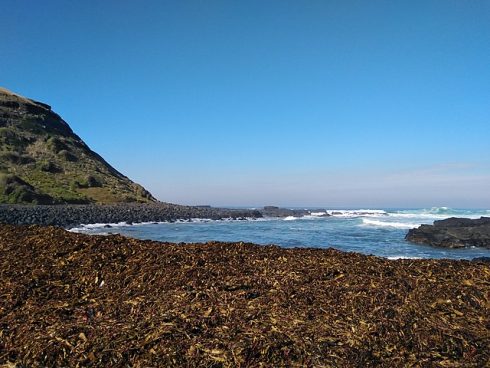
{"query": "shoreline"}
pixel 71 299
pixel 73 215
pixel 70 215
pixel 88 218
pixel 82 228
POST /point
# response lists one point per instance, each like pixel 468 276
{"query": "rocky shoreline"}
pixel 453 233
pixel 273 211
pixel 72 215
pixel 71 300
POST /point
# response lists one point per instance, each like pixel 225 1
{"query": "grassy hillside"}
pixel 42 161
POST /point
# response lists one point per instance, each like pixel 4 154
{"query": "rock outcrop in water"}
pixel 453 233
pixel 42 161
pixel 274 211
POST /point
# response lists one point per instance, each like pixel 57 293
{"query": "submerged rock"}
pixel 453 233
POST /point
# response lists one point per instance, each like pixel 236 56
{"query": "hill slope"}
pixel 42 161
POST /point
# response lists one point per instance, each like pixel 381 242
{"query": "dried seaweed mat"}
pixel 73 300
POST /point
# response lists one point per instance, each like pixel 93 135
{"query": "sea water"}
pixel 379 232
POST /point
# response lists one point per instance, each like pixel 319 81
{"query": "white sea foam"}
pixel 95 228
pixel 310 217
pixel 89 227
pixel 403 257
pixel 444 211
pixel 357 213
pixel 398 225
pixel 290 218
pixel 438 213
pixel 417 215
pixel 318 214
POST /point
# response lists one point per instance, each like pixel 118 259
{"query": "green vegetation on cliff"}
pixel 42 161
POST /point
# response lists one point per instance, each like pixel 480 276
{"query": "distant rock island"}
pixel 42 161
pixel 274 211
pixel 453 233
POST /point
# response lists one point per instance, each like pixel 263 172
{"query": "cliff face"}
pixel 42 161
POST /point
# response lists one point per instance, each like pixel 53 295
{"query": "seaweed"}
pixel 70 299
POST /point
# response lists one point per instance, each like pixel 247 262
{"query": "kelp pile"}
pixel 76 300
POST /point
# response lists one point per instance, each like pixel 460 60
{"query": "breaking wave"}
pixel 398 225
pixel 357 213
pixel 84 228
pixel 437 213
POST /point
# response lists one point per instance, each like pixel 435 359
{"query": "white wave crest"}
pixel 95 228
pixel 357 213
pixel 417 215
pixel 438 213
pixel 398 225
pixel 290 218
pixel 317 214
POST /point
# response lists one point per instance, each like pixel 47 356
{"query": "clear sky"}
pixel 297 103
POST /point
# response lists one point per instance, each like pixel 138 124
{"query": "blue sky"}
pixel 331 103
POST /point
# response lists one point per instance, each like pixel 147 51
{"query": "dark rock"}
pixel 462 222
pixel 481 259
pixel 74 215
pixel 453 233
pixel 273 211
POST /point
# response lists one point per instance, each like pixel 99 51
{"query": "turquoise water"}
pixel 380 232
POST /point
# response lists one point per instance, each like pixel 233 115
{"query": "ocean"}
pixel 379 232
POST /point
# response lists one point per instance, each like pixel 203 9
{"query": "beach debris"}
pixel 232 305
